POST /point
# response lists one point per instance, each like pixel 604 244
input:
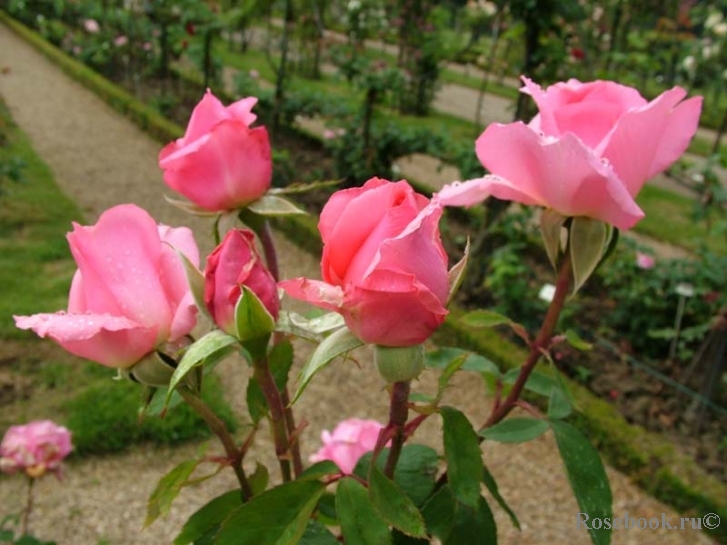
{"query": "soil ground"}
pixel 100 159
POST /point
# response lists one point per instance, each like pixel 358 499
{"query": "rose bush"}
pixel 588 152
pixel 233 264
pixel 129 294
pixel 350 440
pixel 35 448
pixel 383 266
pixel 220 163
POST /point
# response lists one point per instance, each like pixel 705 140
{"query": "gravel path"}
pixel 100 159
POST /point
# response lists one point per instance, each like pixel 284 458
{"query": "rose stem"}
pixel 271 259
pixel 398 413
pixel 277 415
pixel 537 347
pixel 28 505
pixel 234 454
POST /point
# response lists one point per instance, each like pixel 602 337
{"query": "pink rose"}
pixel 36 447
pixel 121 41
pixel 384 268
pixel 587 153
pixel 350 440
pixel 129 295
pixel 645 261
pixel 233 264
pixel 92 26
pixel 220 163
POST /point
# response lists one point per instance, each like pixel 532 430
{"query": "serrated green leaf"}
pixel 399 538
pixel 190 208
pixel 336 344
pixel 259 479
pixel 472 525
pixel 440 358
pixel 463 456
pixel 491 485
pixel 537 382
pixel 278 516
pixel 438 512
pixel 576 341
pixel 271 205
pixel 588 242
pixel 360 522
pixel 587 477
pixel 167 489
pixel 317 534
pixel 257 405
pixel 551 225
pixel 392 503
pixel 302 187
pixel 213 347
pixel 313 329
pixel 516 430
pixel 558 405
pixel 416 471
pixel 320 469
pixel 484 318
pixel 280 361
pixel 208 518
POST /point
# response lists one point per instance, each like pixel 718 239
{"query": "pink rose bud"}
pixel 384 268
pixel 588 152
pixel 220 163
pixel 233 264
pixel 129 295
pixel 350 440
pixel 36 448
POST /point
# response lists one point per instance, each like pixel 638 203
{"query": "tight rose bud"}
pixel 350 440
pixel 35 448
pixel 233 264
pixel 220 163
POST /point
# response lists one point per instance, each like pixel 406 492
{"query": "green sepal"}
pixel 588 241
pixel 551 228
pixel 272 205
pixel 252 318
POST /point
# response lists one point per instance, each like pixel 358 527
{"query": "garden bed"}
pixel 637 455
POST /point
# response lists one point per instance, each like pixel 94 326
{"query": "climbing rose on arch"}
pixel 588 152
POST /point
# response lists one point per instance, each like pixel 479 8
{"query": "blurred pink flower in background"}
pixel 35 448
pixel 351 439
pixel 92 26
pixel 254 74
pixel 121 41
pixel 645 261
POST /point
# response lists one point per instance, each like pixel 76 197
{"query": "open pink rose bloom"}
pixel 384 268
pixel 220 163
pixel 129 295
pixel 588 152
pixel 350 440
pixel 35 448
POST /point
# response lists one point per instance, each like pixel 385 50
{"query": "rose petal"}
pixel 242 110
pixel 208 113
pixel 113 341
pixel 227 169
pixel 314 292
pixel 119 261
pixel 174 280
pixel 647 140
pixel 558 173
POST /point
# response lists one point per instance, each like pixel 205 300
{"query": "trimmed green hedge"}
pixel 649 459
